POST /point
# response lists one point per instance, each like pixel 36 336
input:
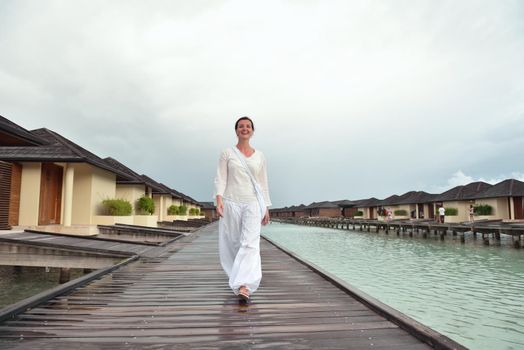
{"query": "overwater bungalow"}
pixel 368 207
pixel 504 201
pixel 53 180
pixel 209 210
pixel 322 209
pixel 297 211
pixel 457 200
pixel 165 197
pixel 385 205
pixel 132 188
pixel 413 205
pixel 46 179
pixel 347 207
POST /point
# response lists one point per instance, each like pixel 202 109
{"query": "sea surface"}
pixel 472 293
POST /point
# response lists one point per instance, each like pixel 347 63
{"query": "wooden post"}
pixel 517 243
pixel 65 275
pixel 463 238
pixel 485 238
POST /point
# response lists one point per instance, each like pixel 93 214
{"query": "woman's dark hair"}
pixel 245 118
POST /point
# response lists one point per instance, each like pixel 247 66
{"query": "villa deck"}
pixel 181 299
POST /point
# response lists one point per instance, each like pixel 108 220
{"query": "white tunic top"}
pixel 232 181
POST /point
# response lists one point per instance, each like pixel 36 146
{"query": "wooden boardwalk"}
pixel 180 299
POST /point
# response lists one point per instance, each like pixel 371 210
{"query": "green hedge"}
pixel 483 209
pixel 400 212
pixel 182 210
pixel 172 210
pixel 451 212
pixel 146 205
pixel 359 213
pixel 194 211
pixel 117 207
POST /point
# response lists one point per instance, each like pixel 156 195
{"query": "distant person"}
pixel 242 196
pixel 471 213
pixel 442 214
pixel 389 214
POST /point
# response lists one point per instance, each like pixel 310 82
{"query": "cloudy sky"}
pixel 351 99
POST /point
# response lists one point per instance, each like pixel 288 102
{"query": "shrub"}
pixel 359 213
pixel 182 210
pixel 172 210
pixel 400 212
pixel 451 211
pixel 146 205
pixel 382 212
pixel 117 207
pixel 483 209
pixel 194 211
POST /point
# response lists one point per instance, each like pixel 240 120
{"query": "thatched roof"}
pixel 14 135
pixel 389 200
pixel 415 197
pixel 321 205
pixel 56 148
pixel 207 205
pixel 506 188
pixel 367 203
pixel 465 192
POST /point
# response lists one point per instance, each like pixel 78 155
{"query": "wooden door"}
pixel 371 213
pixel 519 208
pixel 50 194
pixel 14 201
pixel 431 211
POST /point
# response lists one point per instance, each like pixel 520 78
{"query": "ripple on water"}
pixel 470 292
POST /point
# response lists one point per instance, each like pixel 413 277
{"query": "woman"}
pixel 239 211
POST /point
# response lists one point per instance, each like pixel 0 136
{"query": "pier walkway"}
pixel 180 299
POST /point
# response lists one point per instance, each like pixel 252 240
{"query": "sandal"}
pixel 243 294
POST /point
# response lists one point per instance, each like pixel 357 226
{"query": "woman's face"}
pixel 244 129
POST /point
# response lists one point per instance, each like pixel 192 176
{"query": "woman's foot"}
pixel 243 294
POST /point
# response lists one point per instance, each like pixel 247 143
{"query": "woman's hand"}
pixel 265 219
pixel 220 206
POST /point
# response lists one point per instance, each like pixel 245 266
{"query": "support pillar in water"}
pixel 485 238
pixel 65 275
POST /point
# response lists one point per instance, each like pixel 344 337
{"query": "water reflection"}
pixel 20 282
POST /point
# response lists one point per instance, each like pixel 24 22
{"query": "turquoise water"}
pixel 472 293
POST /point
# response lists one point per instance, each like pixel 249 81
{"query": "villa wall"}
pixel 500 208
pixel 30 194
pixel 463 211
pixel 91 186
pixel 131 193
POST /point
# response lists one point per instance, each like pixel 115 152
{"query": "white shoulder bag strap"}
pixel 258 190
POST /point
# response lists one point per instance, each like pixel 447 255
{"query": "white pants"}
pixel 239 244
